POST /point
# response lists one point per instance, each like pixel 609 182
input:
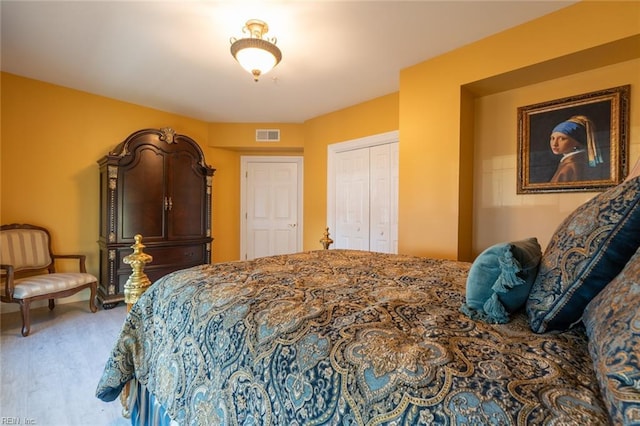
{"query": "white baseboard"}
pixel 6 308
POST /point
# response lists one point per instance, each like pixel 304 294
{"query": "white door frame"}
pixel 244 160
pixel 333 149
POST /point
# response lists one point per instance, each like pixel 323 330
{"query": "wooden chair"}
pixel 27 270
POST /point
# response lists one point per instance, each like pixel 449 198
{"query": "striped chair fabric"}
pixel 25 249
pixel 27 270
pixel 38 285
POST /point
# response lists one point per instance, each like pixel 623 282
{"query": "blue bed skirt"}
pixel 146 410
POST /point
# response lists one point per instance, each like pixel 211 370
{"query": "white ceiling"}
pixel 174 55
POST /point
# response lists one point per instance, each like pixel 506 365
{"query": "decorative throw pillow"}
pixel 612 321
pixel 589 248
pixel 499 280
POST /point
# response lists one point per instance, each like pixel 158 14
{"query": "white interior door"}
pixel 352 200
pixel 362 193
pixel 272 207
pixel 382 199
pixel 395 184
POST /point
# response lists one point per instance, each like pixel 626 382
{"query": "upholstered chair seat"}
pixel 49 283
pixel 27 270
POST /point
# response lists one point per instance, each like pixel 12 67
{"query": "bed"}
pixel 343 337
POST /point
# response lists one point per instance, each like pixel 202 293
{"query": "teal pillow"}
pixel 589 248
pixel 500 279
pixel 612 322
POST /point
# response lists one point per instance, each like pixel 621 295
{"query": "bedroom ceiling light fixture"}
pixel 256 53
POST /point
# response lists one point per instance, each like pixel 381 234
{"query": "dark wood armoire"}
pixel 155 183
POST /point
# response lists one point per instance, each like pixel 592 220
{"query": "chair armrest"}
pixel 81 260
pixel 7 272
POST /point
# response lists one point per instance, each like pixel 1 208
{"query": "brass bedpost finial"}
pixel 326 241
pixel 133 289
pixel 138 280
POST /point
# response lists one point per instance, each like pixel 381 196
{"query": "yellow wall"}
pixel 232 140
pixel 446 112
pixel 226 207
pixel 242 136
pixel 226 199
pixel 499 213
pixel 379 115
pixel 228 142
pixel 51 139
pixel 435 111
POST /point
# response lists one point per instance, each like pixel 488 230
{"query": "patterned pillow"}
pixel 500 279
pixel 587 251
pixel 612 321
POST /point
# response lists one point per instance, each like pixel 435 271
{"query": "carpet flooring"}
pixel 49 378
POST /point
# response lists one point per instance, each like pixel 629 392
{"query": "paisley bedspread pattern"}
pixel 344 337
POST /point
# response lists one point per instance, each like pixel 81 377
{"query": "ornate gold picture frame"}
pixel 578 143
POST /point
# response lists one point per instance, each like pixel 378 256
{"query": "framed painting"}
pixel 578 143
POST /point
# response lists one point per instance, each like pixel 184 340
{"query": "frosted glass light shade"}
pixel 256 54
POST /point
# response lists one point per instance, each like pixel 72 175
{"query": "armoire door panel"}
pixel 142 185
pixel 186 192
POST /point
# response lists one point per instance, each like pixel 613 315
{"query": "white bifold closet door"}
pixel 366 199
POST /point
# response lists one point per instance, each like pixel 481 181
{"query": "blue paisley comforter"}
pixel 344 338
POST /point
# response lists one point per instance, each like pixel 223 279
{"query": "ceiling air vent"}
pixel 267 135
